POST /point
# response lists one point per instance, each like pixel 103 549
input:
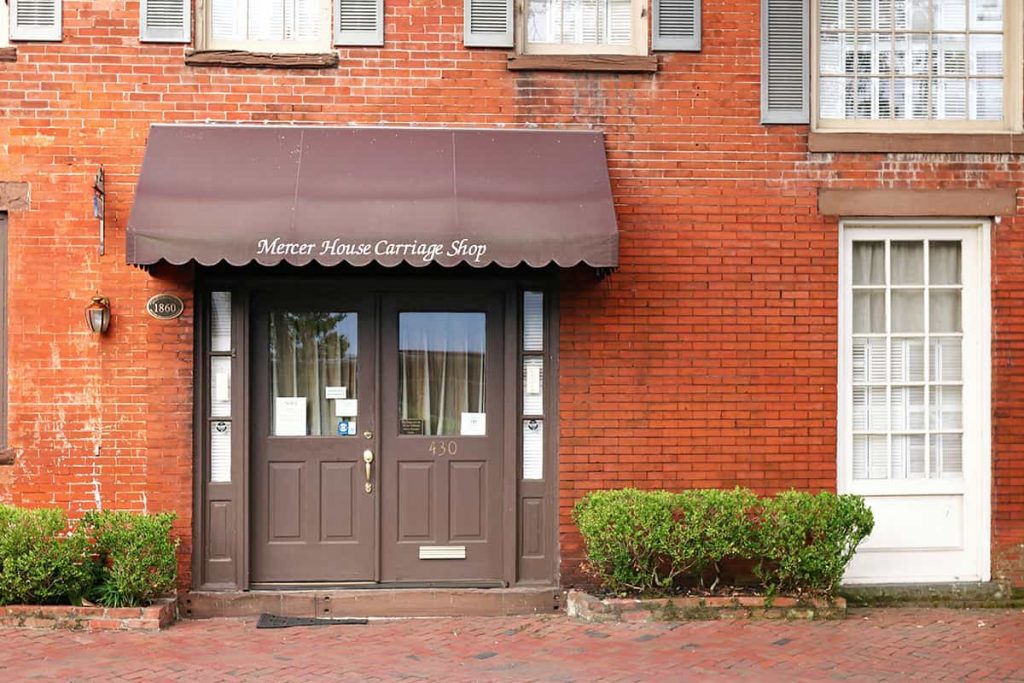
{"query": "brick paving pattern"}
pixel 871 645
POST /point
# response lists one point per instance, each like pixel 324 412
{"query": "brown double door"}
pixel 377 438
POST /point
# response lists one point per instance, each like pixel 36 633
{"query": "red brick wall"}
pixel 707 359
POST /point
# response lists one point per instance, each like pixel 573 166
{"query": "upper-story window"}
pixel 583 27
pixel 932 65
pixel 269 25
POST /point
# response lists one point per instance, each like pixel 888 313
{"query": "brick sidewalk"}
pixel 876 645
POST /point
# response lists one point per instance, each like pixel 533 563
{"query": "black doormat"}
pixel 274 621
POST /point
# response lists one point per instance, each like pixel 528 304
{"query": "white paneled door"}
pixel 914 397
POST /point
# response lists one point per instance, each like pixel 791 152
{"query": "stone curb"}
pixel 589 608
pixel 160 614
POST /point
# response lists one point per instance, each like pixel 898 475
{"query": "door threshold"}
pixel 395 600
pixel 371 585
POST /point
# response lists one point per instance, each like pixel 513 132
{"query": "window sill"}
pixel 8 54
pixel 599 63
pixel 261 60
pixel 942 143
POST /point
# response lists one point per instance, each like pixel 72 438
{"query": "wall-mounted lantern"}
pixel 97 314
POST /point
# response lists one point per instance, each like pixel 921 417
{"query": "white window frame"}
pixel 639 46
pixel 5 18
pixel 206 41
pixel 977 364
pixel 1013 88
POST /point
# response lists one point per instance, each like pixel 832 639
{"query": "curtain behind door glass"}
pixel 310 352
pixel 441 373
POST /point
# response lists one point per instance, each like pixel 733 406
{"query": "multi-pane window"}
pixel 907 365
pixel 277 25
pixel 915 60
pixel 584 26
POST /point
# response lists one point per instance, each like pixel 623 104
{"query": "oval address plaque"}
pixel 165 307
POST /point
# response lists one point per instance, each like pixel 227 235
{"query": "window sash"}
pixel 322 43
pixel 637 45
pixel 1013 36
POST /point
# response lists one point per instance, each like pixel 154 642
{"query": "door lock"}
pixel 368 459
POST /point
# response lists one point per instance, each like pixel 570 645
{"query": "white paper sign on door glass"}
pixel 290 416
pixel 348 407
pixel 335 392
pixel 473 424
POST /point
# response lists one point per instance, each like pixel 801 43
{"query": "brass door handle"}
pixel 368 459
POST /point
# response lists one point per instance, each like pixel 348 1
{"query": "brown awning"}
pixel 273 194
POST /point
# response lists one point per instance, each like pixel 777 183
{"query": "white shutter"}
pixel 785 61
pixel 677 25
pixel 359 22
pixel 36 19
pixel 165 21
pixel 488 23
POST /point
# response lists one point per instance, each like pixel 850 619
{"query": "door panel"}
pixel 467 513
pixel 415 490
pixel 313 398
pixel 442 437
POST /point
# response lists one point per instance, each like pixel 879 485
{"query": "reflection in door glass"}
pixel 441 374
pixel 314 366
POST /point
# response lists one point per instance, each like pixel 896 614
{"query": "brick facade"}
pixel 708 359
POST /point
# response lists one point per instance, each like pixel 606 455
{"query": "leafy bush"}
pixel 807 540
pixel 116 558
pixel 41 561
pixel 136 554
pixel 657 541
pixel 633 538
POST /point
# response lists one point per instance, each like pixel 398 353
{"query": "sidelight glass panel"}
pixel 533 449
pixel 314 373
pixel 220 321
pixel 533 385
pixel 441 374
pixel 533 321
pixel 220 386
pixel 220 452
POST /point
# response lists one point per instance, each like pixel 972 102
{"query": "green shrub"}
pixel 807 540
pixel 656 541
pixel 41 561
pixel 716 526
pixel 137 556
pixel 632 537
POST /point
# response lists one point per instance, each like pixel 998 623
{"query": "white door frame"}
pixel 977 416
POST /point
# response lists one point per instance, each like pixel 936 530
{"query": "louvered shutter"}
pixel 488 23
pixel 358 22
pixel 36 19
pixel 677 25
pixel 785 62
pixel 165 21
